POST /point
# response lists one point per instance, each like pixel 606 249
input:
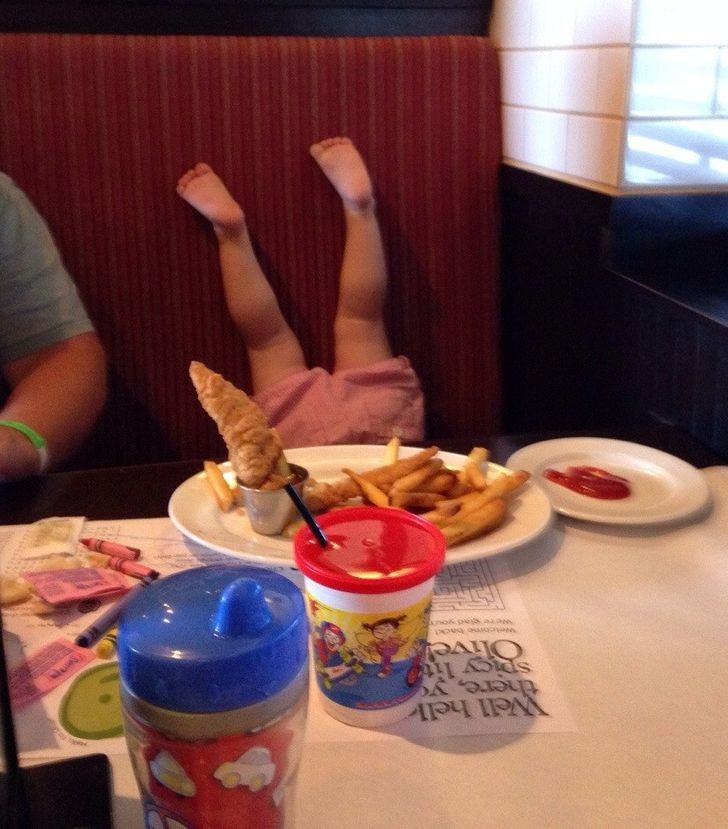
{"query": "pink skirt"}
pixel 361 405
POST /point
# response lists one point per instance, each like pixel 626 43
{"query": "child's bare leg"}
pixel 360 335
pixel 273 349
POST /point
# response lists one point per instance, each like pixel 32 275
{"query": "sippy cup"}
pixel 214 677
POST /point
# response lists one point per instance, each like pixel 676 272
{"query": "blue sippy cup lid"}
pixel 213 638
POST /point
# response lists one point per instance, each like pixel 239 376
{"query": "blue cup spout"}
pixel 242 609
pixel 214 638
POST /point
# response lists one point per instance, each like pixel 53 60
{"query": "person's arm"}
pixel 57 391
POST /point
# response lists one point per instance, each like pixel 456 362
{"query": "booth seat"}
pixel 98 128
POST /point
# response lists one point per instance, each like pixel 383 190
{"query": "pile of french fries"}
pixel 463 503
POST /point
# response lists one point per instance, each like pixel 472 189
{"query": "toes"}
pixel 325 143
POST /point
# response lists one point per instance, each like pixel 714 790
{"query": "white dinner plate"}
pixel 194 511
pixel 664 488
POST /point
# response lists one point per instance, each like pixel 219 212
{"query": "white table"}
pixel 636 626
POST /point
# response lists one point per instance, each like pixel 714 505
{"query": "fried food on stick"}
pixel 253 447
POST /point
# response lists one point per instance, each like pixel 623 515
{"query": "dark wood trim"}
pixel 325 18
pixel 552 236
pixel 586 346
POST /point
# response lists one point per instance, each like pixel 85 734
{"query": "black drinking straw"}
pixel 306 515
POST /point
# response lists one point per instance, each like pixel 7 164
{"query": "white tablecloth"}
pixel 635 623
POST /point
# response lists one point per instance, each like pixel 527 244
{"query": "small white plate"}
pixel 664 488
pixel 194 511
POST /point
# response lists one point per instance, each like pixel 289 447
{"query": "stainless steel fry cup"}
pixel 269 510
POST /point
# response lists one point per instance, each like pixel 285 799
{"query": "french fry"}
pixel 502 486
pixel 442 513
pixel 459 488
pixel 327 495
pixel 415 500
pixel 391 450
pixel 370 491
pixel 473 474
pixel 393 471
pixel 414 480
pixel 470 475
pixel 478 454
pixel 442 483
pixel 508 482
pixel 222 492
pixel 476 523
pixel 463 503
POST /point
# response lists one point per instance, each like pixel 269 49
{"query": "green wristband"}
pixel 37 440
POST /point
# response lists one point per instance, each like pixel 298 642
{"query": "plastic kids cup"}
pixel 214 678
pixel 369 593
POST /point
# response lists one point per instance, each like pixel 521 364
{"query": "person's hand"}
pixel 18 457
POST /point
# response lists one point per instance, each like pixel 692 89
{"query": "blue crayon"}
pixel 107 620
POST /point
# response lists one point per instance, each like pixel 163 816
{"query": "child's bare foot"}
pixel 345 169
pixel 204 190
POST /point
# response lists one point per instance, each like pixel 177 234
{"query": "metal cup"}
pixel 269 510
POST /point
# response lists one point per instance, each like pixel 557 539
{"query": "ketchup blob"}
pixel 591 481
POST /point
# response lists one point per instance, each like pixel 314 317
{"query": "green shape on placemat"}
pixel 91 708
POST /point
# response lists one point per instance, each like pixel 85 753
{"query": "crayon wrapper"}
pixel 111 548
pixel 52 665
pixel 59 587
pixel 132 568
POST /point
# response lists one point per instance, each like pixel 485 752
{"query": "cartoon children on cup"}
pixel 386 641
pixel 334 661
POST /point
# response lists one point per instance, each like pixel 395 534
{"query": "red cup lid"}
pixel 370 550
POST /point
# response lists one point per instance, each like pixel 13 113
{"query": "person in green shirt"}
pixel 51 360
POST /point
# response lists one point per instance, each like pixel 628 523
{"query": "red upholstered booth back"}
pixel 97 129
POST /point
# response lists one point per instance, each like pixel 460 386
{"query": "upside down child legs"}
pixel 273 349
pixel 360 336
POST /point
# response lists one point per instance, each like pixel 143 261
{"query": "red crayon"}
pixel 111 548
pixel 132 568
